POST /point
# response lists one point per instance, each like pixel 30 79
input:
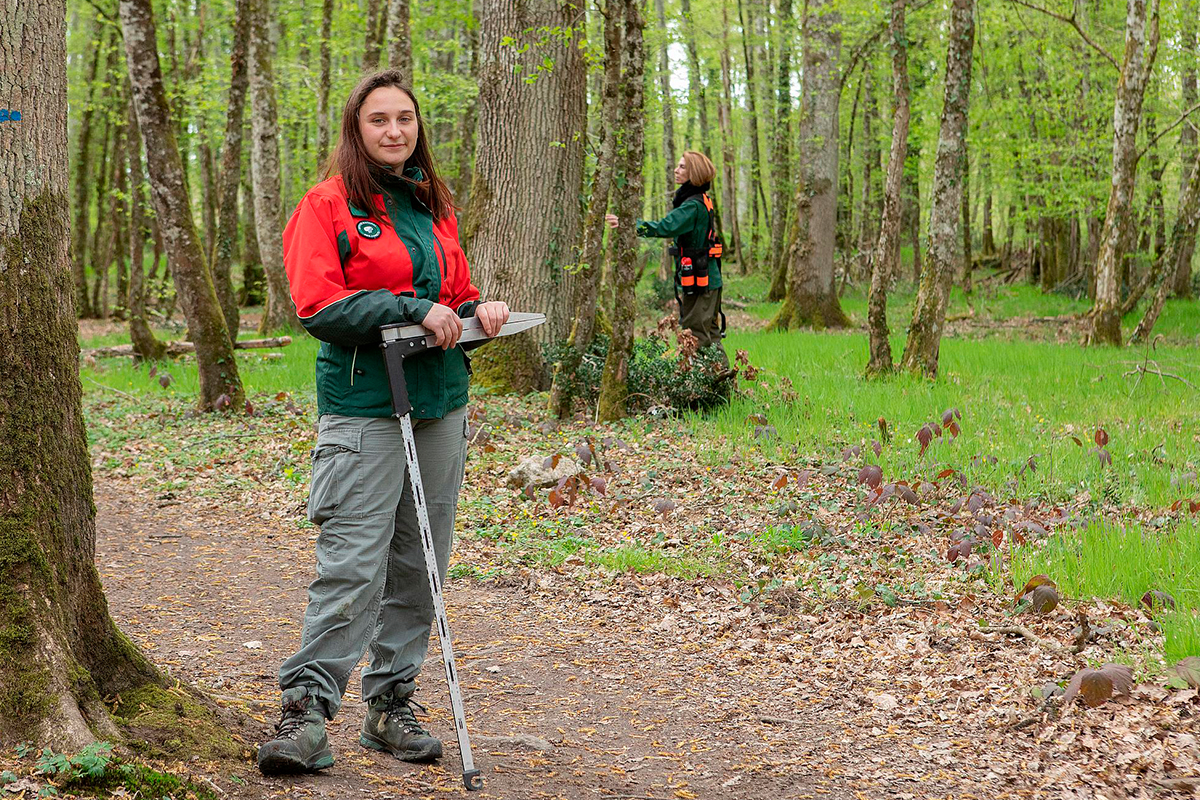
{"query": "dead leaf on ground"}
pixel 1098 685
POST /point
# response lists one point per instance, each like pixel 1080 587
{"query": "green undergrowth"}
pixel 96 772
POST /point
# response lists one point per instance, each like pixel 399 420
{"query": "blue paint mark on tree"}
pixel 9 115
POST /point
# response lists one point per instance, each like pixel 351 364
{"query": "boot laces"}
pixel 401 710
pixel 292 719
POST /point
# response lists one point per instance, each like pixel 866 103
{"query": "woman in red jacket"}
pixel 375 243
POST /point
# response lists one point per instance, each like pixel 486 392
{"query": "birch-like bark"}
pixel 929 313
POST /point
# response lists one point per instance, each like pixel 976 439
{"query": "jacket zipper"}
pixel 353 361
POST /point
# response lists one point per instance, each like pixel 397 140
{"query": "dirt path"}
pixel 631 703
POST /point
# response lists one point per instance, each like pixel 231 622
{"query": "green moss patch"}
pixel 171 723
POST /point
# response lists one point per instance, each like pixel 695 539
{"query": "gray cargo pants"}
pixel 371 586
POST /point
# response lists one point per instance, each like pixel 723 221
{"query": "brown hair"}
pixel 699 169
pixel 350 160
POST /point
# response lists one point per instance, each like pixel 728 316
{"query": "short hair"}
pixel 699 169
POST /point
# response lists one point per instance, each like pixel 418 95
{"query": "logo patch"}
pixel 369 229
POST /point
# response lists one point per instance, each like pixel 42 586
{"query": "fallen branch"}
pixel 1017 630
pixel 781 721
pixel 1142 369
pixel 180 348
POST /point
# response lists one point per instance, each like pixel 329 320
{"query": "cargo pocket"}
pixel 335 472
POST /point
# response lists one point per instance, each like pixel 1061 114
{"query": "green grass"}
pixel 1124 561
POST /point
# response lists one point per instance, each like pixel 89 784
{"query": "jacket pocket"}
pixel 335 471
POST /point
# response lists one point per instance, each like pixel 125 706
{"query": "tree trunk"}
pixel 729 168
pixel 665 263
pixel 376 18
pixel 466 136
pixel 214 354
pixel 323 82
pixel 99 234
pixel 399 41
pixel 781 155
pixel 280 313
pixel 61 653
pixel 885 258
pixel 1141 47
pixel 989 236
pixel 912 192
pixel 583 330
pixel 1181 270
pixel 965 203
pixel 811 299
pixel 144 344
pixel 254 282
pixel 231 170
pixel 518 249
pixel 119 217
pixel 870 150
pixel 83 163
pixel 614 383
pixel 696 95
pixel 752 118
pixel 929 313
pixel 1182 235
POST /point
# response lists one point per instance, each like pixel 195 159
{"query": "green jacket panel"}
pixel 688 226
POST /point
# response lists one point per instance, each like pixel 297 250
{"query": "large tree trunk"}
pixel 614 383
pixel 231 170
pixel 145 344
pixel 214 353
pixel 1141 47
pixel 1182 235
pixel 1181 270
pixel 399 41
pixel 61 651
pixel 811 299
pixel 376 21
pixel 929 313
pixel 522 224
pixel 696 97
pixel 323 81
pixel 885 258
pixel 280 313
pixel 781 155
pixel 83 164
pixel 587 289
pixel 729 168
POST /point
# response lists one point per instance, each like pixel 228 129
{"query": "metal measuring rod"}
pixel 400 342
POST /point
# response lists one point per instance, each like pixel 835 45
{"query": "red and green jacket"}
pixel 352 270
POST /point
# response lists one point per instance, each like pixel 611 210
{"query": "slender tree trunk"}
pixel 811 299
pixel 280 313
pixel 665 263
pixel 885 258
pixel 614 383
pixel 1183 233
pixel 323 82
pixel 867 235
pixel 1181 270
pixel 217 367
pixel 518 250
pixel 62 653
pixel 583 330
pixel 729 167
pixel 118 215
pixel 399 41
pixel 466 136
pixel 1141 47
pixel 231 169
pixel 144 343
pixel 696 95
pixel 929 313
pixel 781 155
pixel 989 236
pixel 965 204
pixel 83 164
pixel 752 91
pixel 376 18
pixel 254 282
pixel 99 258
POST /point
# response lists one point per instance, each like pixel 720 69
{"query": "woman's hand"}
pixel 612 220
pixel 444 324
pixel 492 316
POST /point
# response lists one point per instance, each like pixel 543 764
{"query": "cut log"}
pixel 180 348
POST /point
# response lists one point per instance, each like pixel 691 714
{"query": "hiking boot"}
pixel 300 744
pixel 391 726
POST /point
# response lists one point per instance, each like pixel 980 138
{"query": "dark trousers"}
pixel 700 314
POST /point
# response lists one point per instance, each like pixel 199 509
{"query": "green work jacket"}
pixel 688 226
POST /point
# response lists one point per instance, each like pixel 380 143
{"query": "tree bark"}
pixel 466 136
pixel 280 313
pixel 399 41
pixel 929 313
pixel 323 82
pixel 60 653
pixel 254 282
pixel 1141 47
pixel 100 232
pixel 912 204
pixel 885 258
pixel 1182 235
pixel 989 235
pixel 811 299
pixel 614 383
pixel 1181 270
pixel 781 155
pixel 752 119
pixel 697 99
pixel 591 260
pixel 665 263
pixel 214 355
pixel 965 206
pixel 83 163
pixel 145 345
pixel 867 235
pixel 518 250
pixel 728 165
pixel 376 19
pixel 231 170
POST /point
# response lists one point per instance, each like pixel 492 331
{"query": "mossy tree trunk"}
pixel 59 650
pixel 214 353
pixel 885 257
pixel 810 299
pixel 929 313
pixel 522 224
pixel 630 149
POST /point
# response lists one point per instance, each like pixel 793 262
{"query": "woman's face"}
pixel 681 172
pixel 388 123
